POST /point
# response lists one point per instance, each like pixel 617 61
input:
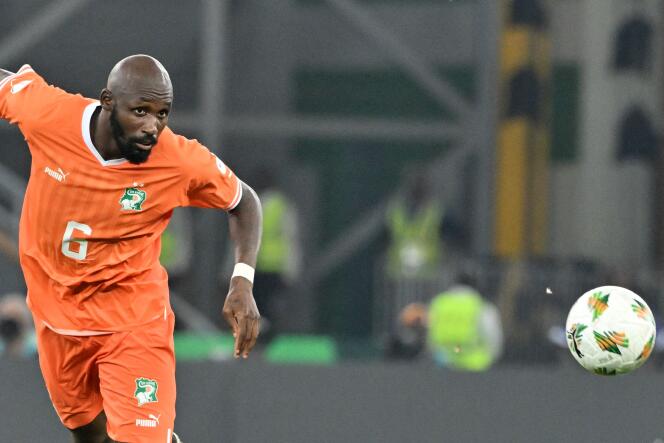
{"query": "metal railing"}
pixel 512 285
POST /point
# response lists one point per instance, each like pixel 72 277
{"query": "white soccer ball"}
pixel 610 330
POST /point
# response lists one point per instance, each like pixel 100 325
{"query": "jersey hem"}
pixel 74 332
pixel 92 333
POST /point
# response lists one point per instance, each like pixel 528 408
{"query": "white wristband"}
pixel 243 270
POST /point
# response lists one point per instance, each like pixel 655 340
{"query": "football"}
pixel 610 330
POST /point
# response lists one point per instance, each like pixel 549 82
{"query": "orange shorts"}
pixel 129 375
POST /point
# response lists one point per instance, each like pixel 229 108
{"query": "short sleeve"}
pixel 26 97
pixel 212 184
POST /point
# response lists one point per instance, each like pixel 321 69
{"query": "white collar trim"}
pixel 85 128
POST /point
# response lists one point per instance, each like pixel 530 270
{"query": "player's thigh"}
pixel 68 366
pixel 137 379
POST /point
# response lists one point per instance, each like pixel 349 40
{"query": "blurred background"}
pixel 454 171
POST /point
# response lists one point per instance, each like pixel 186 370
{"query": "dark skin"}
pixel 135 106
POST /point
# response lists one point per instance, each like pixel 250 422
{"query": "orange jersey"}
pixel 90 228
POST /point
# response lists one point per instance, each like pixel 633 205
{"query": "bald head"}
pixel 135 106
pixel 138 73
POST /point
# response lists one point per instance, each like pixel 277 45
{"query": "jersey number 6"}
pixel 82 244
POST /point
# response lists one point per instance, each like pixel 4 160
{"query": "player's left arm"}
pixel 240 310
pixel 4 74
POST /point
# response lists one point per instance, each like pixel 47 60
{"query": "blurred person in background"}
pixel 177 245
pixel 414 222
pixel 279 259
pixel 421 231
pixel 459 329
pixel 105 178
pixel 17 334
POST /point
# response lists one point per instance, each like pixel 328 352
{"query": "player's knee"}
pixel 91 437
pixel 93 432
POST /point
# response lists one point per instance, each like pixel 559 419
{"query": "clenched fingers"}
pixel 250 340
pixel 248 327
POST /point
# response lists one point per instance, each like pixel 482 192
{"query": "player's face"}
pixel 136 123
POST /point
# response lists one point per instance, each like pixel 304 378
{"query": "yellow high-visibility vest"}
pixel 415 249
pixel 455 335
pixel 274 250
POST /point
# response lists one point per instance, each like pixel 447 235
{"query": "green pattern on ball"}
pixel 610 340
pixel 598 303
pixel 605 371
pixel 647 349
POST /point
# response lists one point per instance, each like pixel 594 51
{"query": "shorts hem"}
pixel 80 419
pixel 166 436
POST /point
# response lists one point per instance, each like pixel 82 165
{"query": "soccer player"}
pixel 105 178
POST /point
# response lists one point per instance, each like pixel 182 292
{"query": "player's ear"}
pixel 106 99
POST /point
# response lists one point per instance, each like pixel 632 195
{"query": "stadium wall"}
pixel 252 402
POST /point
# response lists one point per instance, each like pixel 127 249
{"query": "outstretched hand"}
pixel 241 313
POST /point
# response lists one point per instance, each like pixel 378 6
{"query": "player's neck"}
pixel 102 135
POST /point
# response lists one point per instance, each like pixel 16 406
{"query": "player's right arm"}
pixel 26 99
pixel 4 74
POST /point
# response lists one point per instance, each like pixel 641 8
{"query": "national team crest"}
pixel 132 199
pixel 146 391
